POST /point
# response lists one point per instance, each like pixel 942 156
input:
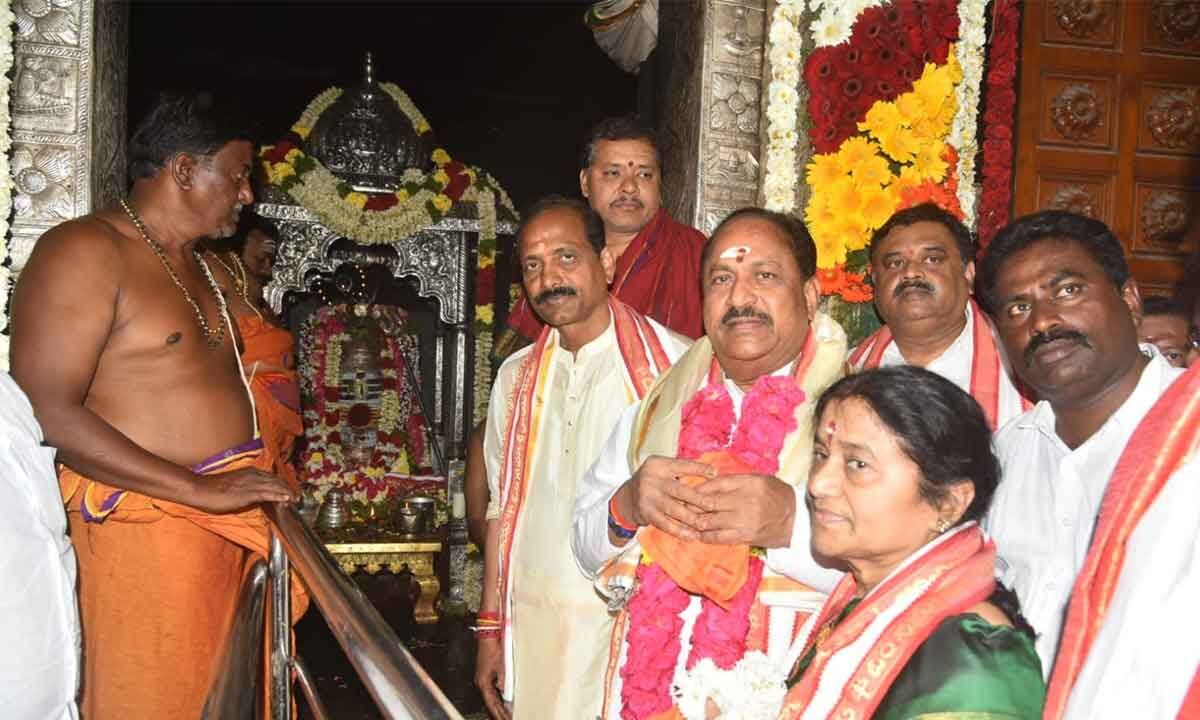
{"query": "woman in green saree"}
pixel 902 471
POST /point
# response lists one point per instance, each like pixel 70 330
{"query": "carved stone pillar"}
pixel 710 86
pixel 68 113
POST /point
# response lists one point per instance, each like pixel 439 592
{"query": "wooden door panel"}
pixel 1109 123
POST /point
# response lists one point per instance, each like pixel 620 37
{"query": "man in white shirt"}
pixel 39 616
pixel 1067 311
pixel 543 633
pixel 923 271
pixel 766 346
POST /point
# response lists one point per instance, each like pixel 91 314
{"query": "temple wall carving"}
pixel 710 106
pixel 68 113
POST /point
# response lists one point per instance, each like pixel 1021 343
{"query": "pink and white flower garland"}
pixel 718 636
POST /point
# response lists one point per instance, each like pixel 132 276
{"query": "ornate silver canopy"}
pixel 366 140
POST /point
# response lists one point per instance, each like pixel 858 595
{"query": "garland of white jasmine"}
pixel 6 61
pixel 970 53
pixel 783 105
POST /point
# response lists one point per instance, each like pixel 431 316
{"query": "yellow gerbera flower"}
pixel 929 163
pixel 817 214
pixel 854 150
pixel 357 199
pixel 908 178
pixel 843 198
pixel 442 203
pixel 441 177
pixel 853 231
pixel 440 157
pixel 871 172
pixel 900 144
pixel 825 169
pixel 877 206
pixel 883 117
pixel 831 251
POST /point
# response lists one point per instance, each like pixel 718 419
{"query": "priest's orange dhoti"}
pixel 158 582
pixel 266 357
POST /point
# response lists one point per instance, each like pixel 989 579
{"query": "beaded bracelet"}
pixel 617 524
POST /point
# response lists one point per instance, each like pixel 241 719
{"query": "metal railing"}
pixel 396 681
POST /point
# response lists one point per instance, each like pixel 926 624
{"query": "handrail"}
pixel 235 691
pixel 399 685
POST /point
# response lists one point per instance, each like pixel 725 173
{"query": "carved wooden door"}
pixel 1109 123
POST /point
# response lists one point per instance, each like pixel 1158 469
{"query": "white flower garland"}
pixel 6 61
pixel 783 105
pixel 970 53
pixel 753 689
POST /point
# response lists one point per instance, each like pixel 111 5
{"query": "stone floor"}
pixel 445 650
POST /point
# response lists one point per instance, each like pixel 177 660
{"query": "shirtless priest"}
pixel 737 409
pixel 124 346
pixel 543 633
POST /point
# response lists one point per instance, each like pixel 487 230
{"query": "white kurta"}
pixel 954 364
pixel 1045 508
pixel 560 627
pixel 39 617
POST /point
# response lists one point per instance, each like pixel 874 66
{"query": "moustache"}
pixel 907 284
pixel 546 295
pixel 735 313
pixel 1052 335
pixel 630 200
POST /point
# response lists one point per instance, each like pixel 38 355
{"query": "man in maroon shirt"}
pixel 658 259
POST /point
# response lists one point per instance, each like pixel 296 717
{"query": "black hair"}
pixel 182 124
pixel 803 247
pixel 928 212
pixel 937 425
pixel 1160 305
pixel 1091 234
pixel 623 127
pixel 593 226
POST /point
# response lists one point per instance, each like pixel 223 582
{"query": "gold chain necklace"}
pixel 212 337
pixel 240 283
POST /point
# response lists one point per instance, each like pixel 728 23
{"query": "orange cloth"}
pixel 714 571
pixel 158 583
pixel 658 275
pixel 276 389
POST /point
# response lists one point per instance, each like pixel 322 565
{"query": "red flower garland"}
pixel 1000 99
pixel 887 51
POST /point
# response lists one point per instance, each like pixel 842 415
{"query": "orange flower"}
pixel 832 280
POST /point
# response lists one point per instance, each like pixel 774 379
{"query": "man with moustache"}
pixel 122 341
pixel 712 461
pixel 542 631
pixel 1115 435
pixel 923 270
pixel 657 259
